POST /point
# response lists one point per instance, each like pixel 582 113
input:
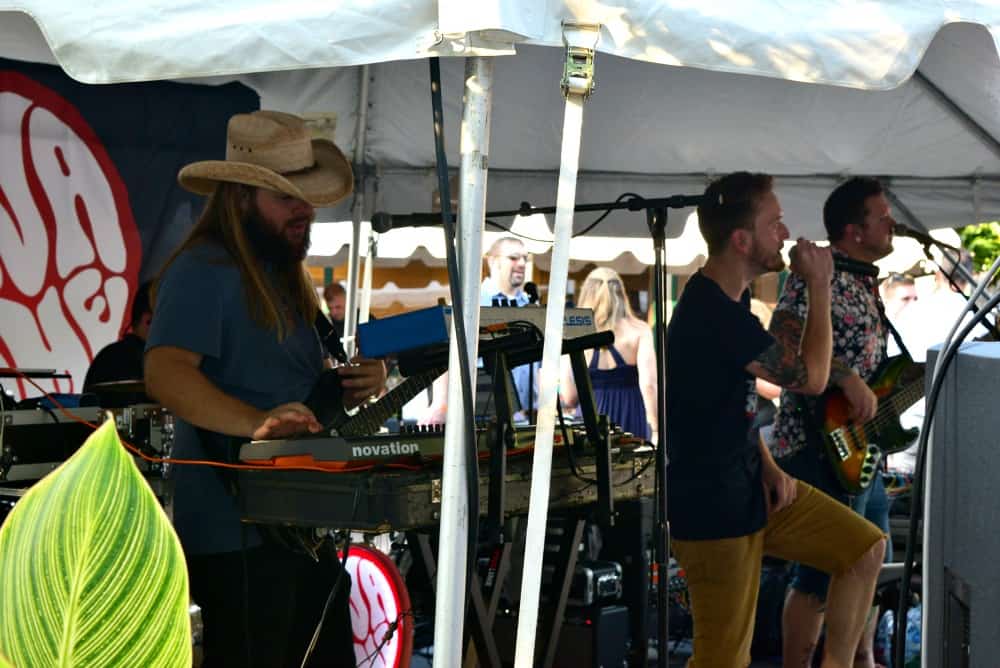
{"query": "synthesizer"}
pixel 36 441
pixel 432 326
pixel 407 446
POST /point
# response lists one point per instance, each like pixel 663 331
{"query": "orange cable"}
pixel 205 462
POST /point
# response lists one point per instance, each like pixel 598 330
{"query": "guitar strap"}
pixel 328 337
pixel 888 323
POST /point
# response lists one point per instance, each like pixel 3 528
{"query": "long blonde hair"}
pixel 604 291
pixel 222 222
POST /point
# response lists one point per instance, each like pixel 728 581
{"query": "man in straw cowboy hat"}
pixel 233 351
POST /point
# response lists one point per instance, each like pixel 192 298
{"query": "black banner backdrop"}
pixel 90 205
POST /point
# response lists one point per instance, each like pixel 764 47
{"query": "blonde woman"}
pixel 624 374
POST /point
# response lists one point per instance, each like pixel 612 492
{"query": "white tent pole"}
pixel 357 211
pixel 579 39
pixel 450 603
pixel 365 297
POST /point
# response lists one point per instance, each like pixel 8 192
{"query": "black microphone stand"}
pixel 656 218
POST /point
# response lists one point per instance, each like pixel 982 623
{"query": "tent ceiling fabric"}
pixel 865 45
pixel 649 129
pixel 660 131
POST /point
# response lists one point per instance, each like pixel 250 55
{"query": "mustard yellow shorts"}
pixel 723 575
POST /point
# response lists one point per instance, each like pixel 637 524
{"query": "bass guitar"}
pixel 855 450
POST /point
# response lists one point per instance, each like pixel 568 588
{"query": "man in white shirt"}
pixel 507 260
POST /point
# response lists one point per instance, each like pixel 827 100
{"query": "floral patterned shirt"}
pixel 859 342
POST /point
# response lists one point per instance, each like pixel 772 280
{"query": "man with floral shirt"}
pixel 859 227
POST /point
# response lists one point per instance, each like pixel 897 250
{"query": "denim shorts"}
pixel 811 466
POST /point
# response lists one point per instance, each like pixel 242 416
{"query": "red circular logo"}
pixel 69 248
pixel 380 610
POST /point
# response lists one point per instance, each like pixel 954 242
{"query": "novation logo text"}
pixel 385 449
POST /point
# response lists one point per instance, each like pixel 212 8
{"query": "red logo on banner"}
pixel 69 248
pixel 381 617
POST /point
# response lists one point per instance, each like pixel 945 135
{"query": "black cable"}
pixel 638 473
pixel 458 321
pixel 340 576
pixel 516 234
pixel 604 215
pixel 52 413
pixel 386 637
pixel 916 498
pixel 581 233
pixel 569 448
pixel 246 594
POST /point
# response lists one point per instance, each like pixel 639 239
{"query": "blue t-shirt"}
pixel 713 480
pixel 201 307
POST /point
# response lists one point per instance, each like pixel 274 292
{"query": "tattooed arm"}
pixel 799 359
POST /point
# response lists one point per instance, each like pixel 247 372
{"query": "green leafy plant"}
pixel 91 571
pixel 983 243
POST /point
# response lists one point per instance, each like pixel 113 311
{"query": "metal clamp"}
pixel 578 69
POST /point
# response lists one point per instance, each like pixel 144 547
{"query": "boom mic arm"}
pixel 382 222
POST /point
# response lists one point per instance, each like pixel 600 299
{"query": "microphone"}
pixel 531 290
pixel 382 222
pixel 854 266
pixel 923 238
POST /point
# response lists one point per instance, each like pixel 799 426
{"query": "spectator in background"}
pixel 623 374
pixel 122 360
pixel 898 292
pixel 927 321
pixel 335 297
pixel 507 260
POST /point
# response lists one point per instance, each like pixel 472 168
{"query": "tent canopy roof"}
pixel 675 103
pixel 873 45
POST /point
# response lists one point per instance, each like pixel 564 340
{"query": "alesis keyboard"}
pixel 431 327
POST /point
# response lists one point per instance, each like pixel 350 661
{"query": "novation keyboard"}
pixel 411 445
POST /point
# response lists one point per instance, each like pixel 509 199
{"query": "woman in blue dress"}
pixel 624 374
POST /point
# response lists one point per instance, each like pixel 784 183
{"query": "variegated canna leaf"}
pixel 91 571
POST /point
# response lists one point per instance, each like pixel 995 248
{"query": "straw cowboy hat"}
pixel 273 150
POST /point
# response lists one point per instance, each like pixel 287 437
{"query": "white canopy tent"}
pixel 906 90
pixel 921 111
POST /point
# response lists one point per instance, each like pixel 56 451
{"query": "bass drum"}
pixel 379 599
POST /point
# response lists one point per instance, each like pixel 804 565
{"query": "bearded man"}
pixel 233 351
pixel 859 225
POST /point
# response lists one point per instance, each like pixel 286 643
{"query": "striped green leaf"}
pixel 91 571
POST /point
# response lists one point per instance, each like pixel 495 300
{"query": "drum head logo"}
pixel 381 617
pixel 69 248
